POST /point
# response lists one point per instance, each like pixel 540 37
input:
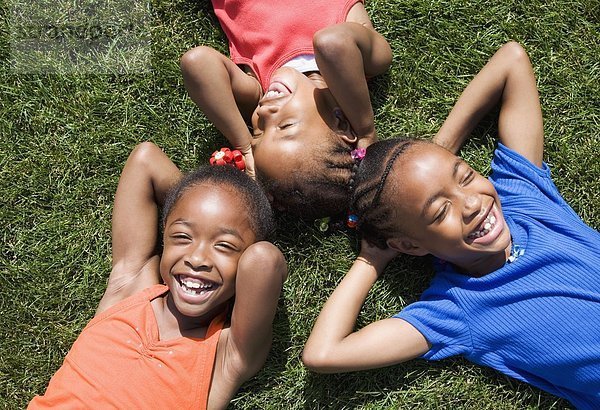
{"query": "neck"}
pixel 172 323
pixel 485 264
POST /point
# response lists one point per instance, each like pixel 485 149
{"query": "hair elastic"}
pixel 352 221
pixel 225 156
pixel 358 154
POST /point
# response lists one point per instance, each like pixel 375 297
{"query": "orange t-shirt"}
pixel 118 361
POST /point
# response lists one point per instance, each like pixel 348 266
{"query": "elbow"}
pixel 516 53
pixel 197 58
pixel 317 359
pixel 144 155
pixel 313 360
pixel 268 257
pixel 331 42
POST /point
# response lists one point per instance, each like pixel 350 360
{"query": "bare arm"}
pixel 507 79
pixel 345 54
pixel 146 177
pixel 261 272
pixel 334 345
pixel 217 85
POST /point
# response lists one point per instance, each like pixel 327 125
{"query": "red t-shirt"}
pixel 266 34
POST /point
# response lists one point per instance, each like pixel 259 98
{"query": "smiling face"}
pixel 294 118
pixel 447 209
pixel 205 234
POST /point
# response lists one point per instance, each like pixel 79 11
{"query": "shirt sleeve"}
pixel 514 175
pixel 521 183
pixel 441 321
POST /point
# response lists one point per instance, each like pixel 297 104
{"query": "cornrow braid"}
pixel 373 216
pixel 357 156
pixel 353 173
pixel 320 188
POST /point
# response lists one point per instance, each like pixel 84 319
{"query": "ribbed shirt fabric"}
pixel 266 34
pixel 536 319
pixel 119 362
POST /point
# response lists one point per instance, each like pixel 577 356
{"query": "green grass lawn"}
pixel 67 126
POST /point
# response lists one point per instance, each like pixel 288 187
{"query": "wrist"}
pixel 245 148
pixel 369 266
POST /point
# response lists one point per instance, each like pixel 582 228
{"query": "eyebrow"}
pixel 435 196
pixel 231 231
pixel 227 231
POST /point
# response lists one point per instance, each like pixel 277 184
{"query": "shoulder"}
pixel 513 174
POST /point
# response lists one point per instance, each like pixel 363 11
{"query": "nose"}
pixel 471 205
pixel 266 109
pixel 264 114
pixel 198 258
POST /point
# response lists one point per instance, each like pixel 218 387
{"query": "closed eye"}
pixel 287 125
pixel 254 132
pixel 442 212
pixel 180 238
pixel 226 246
pixel 468 177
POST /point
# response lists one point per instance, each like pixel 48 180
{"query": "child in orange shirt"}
pixel 171 345
pixel 297 79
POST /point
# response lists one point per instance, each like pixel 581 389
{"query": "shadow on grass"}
pixel 420 384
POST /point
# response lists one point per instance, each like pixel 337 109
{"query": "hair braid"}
pixel 373 216
pixel 320 188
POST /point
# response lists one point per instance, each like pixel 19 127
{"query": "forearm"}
pixel 218 86
pixel 147 176
pixel 214 96
pixel 346 54
pixel 261 272
pixel 478 98
pixel 338 317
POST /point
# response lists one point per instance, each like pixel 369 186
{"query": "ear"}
pixel 407 246
pixel 343 127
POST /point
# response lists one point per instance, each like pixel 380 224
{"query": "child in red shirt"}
pixel 170 345
pixel 297 75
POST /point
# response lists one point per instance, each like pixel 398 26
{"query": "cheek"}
pixel 484 185
pixel 168 258
pixel 228 265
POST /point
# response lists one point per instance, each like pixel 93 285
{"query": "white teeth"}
pixel 489 223
pixel 190 284
pixel 272 93
pixel 193 287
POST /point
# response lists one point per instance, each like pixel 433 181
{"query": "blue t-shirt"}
pixel 536 319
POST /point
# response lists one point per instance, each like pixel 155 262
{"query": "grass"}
pixel 67 126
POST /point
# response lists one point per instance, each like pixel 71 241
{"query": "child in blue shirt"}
pixel 517 286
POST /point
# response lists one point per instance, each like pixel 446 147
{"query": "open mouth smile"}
pixel 194 286
pixel 489 229
pixel 276 90
pixel 486 227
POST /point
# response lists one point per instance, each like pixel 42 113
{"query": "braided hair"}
pixel 374 215
pixel 320 188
